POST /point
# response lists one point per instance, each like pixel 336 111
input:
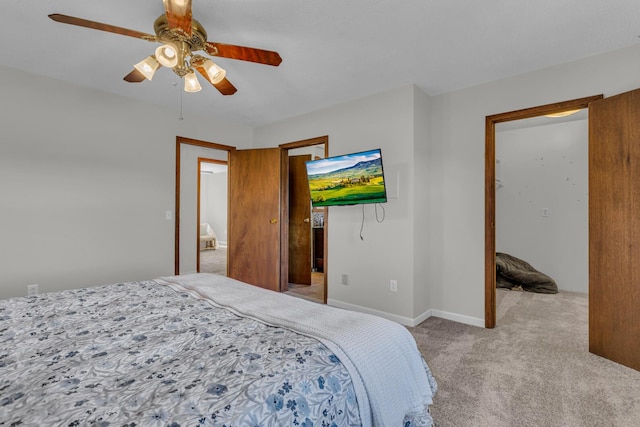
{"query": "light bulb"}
pixel 167 55
pixel 562 113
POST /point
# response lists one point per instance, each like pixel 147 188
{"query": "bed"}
pixel 204 349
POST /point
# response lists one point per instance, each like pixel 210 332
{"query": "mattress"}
pixel 179 351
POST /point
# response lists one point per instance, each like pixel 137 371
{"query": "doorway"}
pixel 542 205
pixel 490 188
pixel 212 216
pixel 187 227
pixel 305 235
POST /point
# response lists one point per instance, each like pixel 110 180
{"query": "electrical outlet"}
pixel 345 279
pixel 393 285
pixel 32 290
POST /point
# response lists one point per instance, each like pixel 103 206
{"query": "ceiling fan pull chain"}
pixel 180 89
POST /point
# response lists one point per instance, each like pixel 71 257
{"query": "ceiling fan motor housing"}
pixel 195 41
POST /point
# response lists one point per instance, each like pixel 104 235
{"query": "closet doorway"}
pixel 490 188
pixel 187 194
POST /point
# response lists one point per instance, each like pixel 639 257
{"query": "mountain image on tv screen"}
pixel 347 180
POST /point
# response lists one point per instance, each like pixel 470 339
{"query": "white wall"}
pixel 382 121
pixel 422 254
pixel 213 203
pixel 85 188
pixel 546 167
pixel 458 130
pixel 86 179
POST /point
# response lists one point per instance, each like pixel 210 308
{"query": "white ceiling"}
pixel 333 50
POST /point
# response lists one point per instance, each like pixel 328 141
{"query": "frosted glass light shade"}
pixel 167 55
pixel 215 73
pixel 191 83
pixel 147 67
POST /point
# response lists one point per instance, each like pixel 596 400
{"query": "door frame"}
pixel 284 206
pixel 202 160
pixel 490 190
pixel 188 141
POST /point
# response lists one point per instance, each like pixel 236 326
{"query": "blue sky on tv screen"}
pixel 340 162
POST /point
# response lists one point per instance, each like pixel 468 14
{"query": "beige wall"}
pixel 85 188
pixel 86 179
pixel 383 121
pixel 457 161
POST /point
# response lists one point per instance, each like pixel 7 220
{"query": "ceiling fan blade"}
pixel 179 15
pixel 135 76
pixel 100 26
pixel 224 86
pixel 243 53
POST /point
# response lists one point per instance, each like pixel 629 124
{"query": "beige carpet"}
pixel 533 369
pixel 314 293
pixel 214 261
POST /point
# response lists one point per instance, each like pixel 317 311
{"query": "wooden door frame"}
pixel 188 141
pixel 284 207
pixel 490 190
pixel 202 160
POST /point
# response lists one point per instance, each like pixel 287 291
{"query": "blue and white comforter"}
pixel 141 353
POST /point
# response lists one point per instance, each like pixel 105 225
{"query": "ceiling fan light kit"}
pixel 181 36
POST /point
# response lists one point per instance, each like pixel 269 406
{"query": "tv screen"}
pixel 349 179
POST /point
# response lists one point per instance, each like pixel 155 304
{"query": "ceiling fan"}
pixel 181 36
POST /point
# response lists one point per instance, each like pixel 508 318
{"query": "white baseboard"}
pixel 408 321
pixel 460 318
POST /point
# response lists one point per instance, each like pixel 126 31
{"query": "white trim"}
pixel 460 318
pixel 424 316
pixel 407 321
pixel 393 317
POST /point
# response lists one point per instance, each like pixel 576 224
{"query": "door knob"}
pixel 306 220
pixel 273 220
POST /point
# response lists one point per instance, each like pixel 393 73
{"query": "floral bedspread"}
pixel 141 354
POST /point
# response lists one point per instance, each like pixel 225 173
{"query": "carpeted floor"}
pixel 533 369
pixel 314 293
pixel 214 261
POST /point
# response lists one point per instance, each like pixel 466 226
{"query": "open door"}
pixel 299 221
pixel 614 228
pixel 254 217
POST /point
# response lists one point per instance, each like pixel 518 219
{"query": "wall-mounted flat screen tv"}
pixel 349 179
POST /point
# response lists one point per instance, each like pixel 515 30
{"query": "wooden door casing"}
pixel 614 228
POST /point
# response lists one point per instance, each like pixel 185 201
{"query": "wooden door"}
pixel 299 221
pixel 254 217
pixel 614 228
